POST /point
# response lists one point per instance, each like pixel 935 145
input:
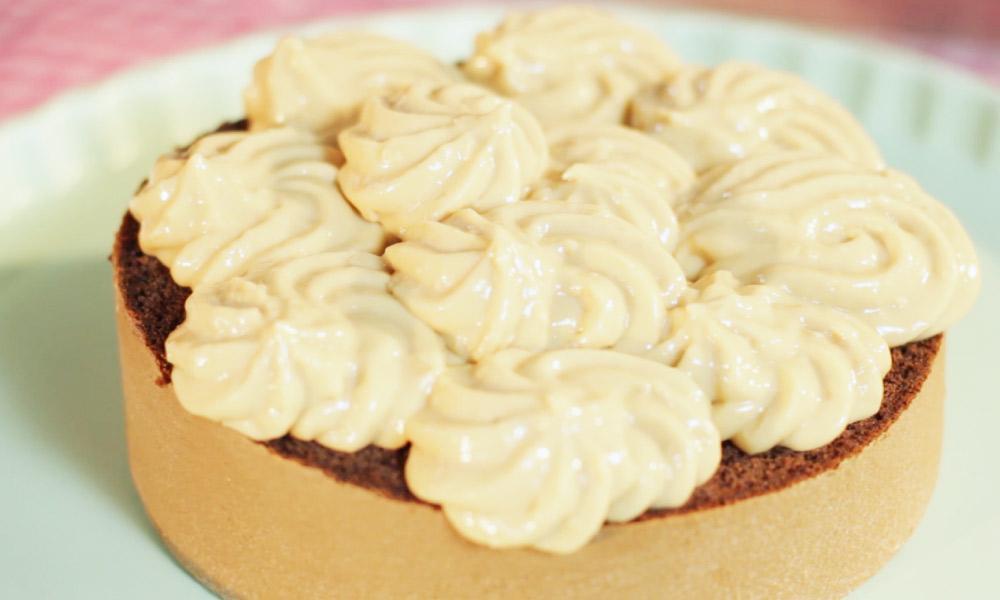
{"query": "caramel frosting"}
pixel 615 283
pixel 628 174
pixel 655 163
pixel 238 198
pixel 570 313
pixel 536 275
pixel 315 346
pixel 569 64
pixel 830 231
pixel 431 150
pixel 715 115
pixel 481 286
pixel 778 370
pixel 320 84
pixel 541 449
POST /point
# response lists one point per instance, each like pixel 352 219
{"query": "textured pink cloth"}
pixel 49 45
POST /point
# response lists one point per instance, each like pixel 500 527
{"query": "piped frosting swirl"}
pixel 432 150
pixel 830 231
pixel 541 449
pixel 777 370
pixel 569 64
pixel 313 346
pixel 719 114
pixel 622 171
pixel 320 84
pixel 239 198
pixel 536 275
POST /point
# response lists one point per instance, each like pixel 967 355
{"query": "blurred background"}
pixel 47 46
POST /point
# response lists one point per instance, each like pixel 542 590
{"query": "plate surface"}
pixel 71 524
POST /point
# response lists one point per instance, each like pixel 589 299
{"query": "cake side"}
pixel 227 507
pixel 156 304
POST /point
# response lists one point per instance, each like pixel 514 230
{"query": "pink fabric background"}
pixel 47 46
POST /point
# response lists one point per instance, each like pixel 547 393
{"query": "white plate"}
pixel 70 522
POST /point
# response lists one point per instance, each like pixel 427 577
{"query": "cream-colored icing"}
pixel 654 162
pixel 569 63
pixel 536 275
pixel 719 114
pixel 778 370
pixel 237 198
pixel 479 285
pixel 431 150
pixel 626 173
pixel 824 229
pixel 615 283
pixel 541 449
pixel 320 84
pixel 313 346
pixel 591 381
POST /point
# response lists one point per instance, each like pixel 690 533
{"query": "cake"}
pixel 616 325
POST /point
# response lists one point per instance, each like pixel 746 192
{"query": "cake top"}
pixel 563 273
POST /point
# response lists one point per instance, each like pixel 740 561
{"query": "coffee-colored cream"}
pixel 620 170
pixel 536 275
pixel 541 449
pixel 655 163
pixel 314 346
pixel 431 150
pixel 830 231
pixel 238 198
pixel 569 64
pixel 615 283
pixel 616 303
pixel 320 84
pixel 719 114
pixel 483 287
pixel 778 370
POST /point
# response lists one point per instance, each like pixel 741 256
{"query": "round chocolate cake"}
pixel 571 318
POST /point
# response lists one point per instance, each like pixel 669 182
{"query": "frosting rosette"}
pixel 716 115
pixel 432 150
pixel 313 346
pixel 827 230
pixel 559 276
pixel 569 64
pixel 236 198
pixel 777 370
pixel 623 171
pixel 540 450
pixel 483 287
pixel 614 284
pixel 319 84
pixel 657 163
